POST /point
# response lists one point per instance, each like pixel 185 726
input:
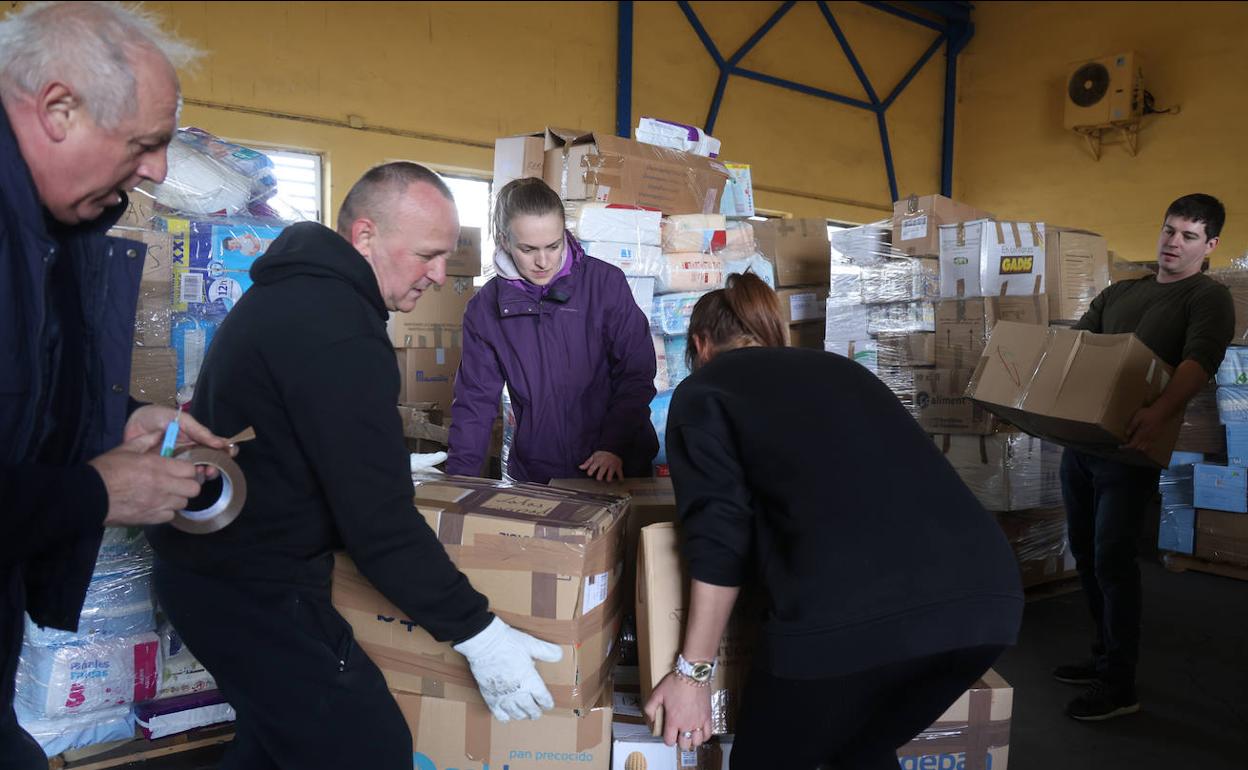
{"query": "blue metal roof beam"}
pixel 849 54
pixel 904 14
pixel 701 32
pixel 905 81
pixel 804 89
pixel 726 69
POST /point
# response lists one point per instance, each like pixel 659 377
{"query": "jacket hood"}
pixel 311 249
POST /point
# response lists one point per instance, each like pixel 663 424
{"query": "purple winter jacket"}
pixel 580 368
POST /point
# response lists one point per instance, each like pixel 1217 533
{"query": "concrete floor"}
pixel 1193 684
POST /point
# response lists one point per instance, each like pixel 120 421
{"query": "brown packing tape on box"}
pixel 976 725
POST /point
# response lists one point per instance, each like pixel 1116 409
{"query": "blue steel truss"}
pixel 953 32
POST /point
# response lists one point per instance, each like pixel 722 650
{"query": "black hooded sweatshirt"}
pixel 305 360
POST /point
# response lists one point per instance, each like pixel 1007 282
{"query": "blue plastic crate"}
pixel 1222 487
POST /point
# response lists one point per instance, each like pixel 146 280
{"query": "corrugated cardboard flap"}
pixel 557 510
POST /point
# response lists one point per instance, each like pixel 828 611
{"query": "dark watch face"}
pixel 702 671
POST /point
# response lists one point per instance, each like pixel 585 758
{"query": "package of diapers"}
pixel 61 734
pixel 79 678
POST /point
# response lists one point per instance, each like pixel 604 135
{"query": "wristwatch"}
pixel 700 672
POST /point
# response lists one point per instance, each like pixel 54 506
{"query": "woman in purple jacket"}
pixel 562 331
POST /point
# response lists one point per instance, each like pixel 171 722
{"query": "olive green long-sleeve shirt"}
pixel 1189 319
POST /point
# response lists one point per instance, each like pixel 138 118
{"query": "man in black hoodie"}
pixel 304 359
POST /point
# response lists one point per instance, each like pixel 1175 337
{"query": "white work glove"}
pixel 425 463
pixel 501 659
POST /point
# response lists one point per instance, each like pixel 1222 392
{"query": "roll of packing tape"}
pixel 225 510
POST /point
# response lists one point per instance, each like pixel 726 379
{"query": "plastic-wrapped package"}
pixel 863 352
pixel 643 293
pixel 1006 471
pixel 208 176
pixel 117 604
pixel 1234 368
pixel 738 200
pixel 658 417
pixel 1036 534
pixel 1202 430
pixel 1233 403
pixel 1235 278
pixel 900 380
pixel 62 734
pixel 902 279
pixel 738 241
pixel 1177 530
pixel 181 673
pixel 677 363
pixel 212 259
pixel 1236 444
pixel 592 221
pixel 162 718
pixel 192 333
pixel 672 311
pixel 677 136
pixel 868 244
pixel 845 285
pixel 702 233
pixel 901 318
pixel 755 263
pixel 1177 487
pixel 661 380
pixel 88 676
pixel 690 272
pixel 897 350
pixel 845 322
pixel 634 259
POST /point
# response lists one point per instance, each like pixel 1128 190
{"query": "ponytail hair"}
pixel 529 196
pixel 746 312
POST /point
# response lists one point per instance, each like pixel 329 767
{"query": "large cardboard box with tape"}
pixel 448 734
pixel 917 220
pixel 963 325
pixel 437 321
pixel 549 560
pixel 1076 270
pixel 799 248
pixel 973 734
pixel 1074 388
pixel 987 258
pixel 662 606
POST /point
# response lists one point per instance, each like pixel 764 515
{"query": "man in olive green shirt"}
pixel 1187 319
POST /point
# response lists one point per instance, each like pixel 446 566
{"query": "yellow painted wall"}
pixel 437 82
pixel 1014 158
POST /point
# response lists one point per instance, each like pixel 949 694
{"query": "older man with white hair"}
pixel 90 98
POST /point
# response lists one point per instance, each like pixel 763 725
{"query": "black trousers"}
pixel 305 694
pixel 856 721
pixel 18 751
pixel 1105 506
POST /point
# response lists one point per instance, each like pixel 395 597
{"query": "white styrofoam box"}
pixel 591 221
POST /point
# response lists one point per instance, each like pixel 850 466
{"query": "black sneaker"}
pixel 1077 673
pixel 1104 701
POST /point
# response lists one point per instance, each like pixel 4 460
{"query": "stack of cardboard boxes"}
pixel 428 340
pixel 153 364
pixel 551 561
pixel 799 249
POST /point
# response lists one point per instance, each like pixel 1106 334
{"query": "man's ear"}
pixel 57 107
pixel 363 232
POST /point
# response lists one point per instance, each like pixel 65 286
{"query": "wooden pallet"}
pixel 139 749
pixel 1177 562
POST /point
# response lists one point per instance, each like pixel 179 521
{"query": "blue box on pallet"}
pixel 1186 459
pixel 1177 487
pixel 1237 444
pixel 1178 530
pixel 1222 487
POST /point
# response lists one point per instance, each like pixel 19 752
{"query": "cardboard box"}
pixel 158 262
pixel 806 335
pixel 662 604
pixel 1076 270
pixel 634 748
pixel 914 350
pixel 466 260
pixel 1221 487
pixel 963 325
pixel 1075 388
pixel 610 169
pixel 437 321
pixel 799 248
pixel 428 374
pixel 518 157
pixel 550 561
pixel 940 397
pixel 650 501
pixel 1123 270
pixel 805 303
pixel 989 258
pixel 973 734
pixel 154 375
pixel 1202 431
pixel 1222 537
pixel 1006 471
pixel 450 734
pixel 917 220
